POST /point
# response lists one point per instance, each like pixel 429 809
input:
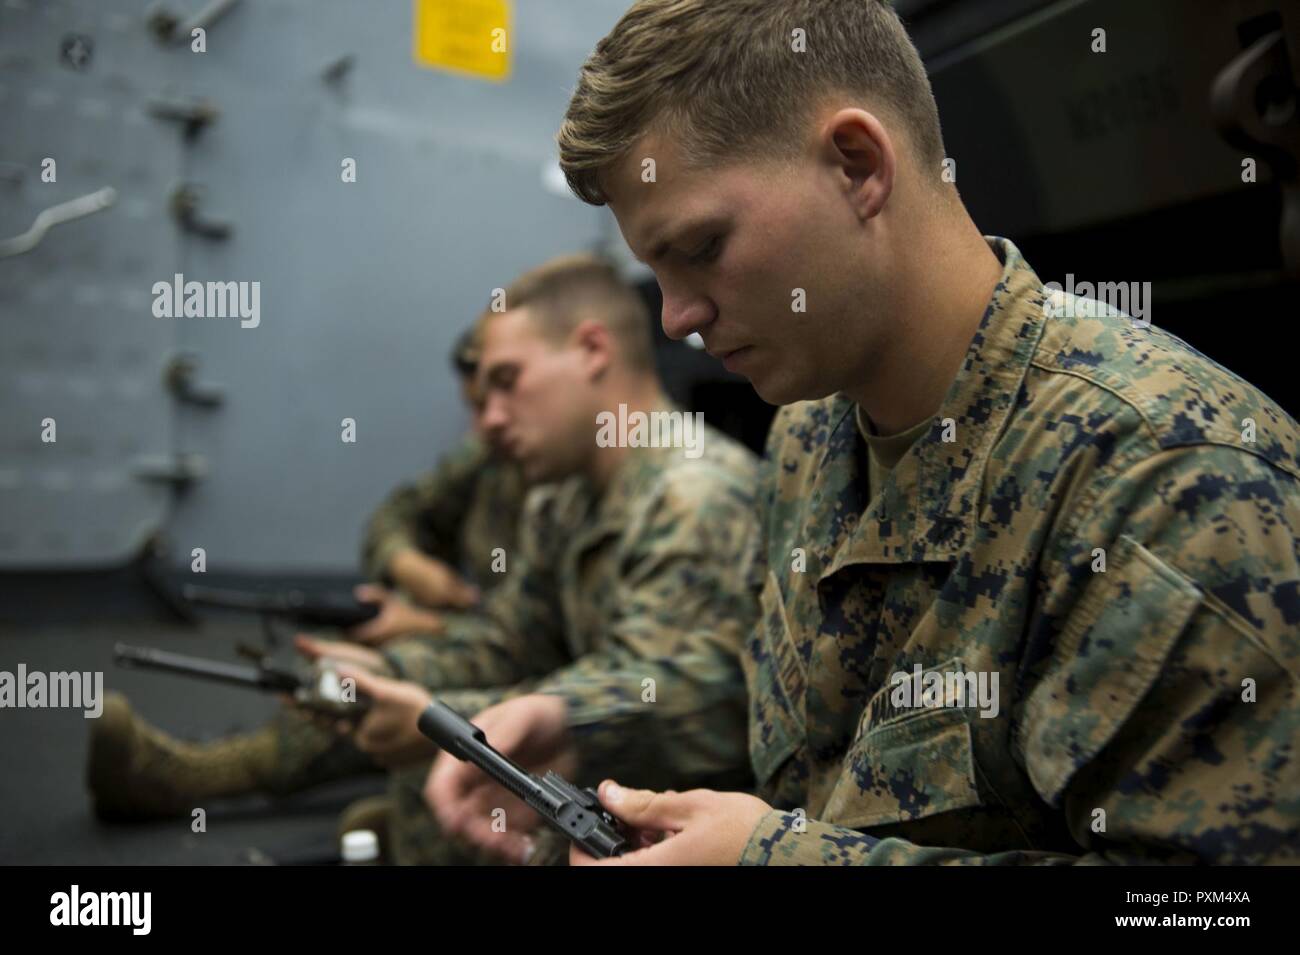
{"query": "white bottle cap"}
pixel 360 845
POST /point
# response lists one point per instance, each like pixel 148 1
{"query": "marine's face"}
pixel 535 398
pixel 472 397
pixel 738 252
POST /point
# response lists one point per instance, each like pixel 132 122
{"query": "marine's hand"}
pixel 388 731
pixel 532 731
pixel 339 650
pixel 396 617
pixel 698 827
pixel 430 581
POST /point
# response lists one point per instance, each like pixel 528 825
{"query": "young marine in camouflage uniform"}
pixel 457 515
pixel 453 520
pixel 420 539
pixel 975 476
pixel 635 560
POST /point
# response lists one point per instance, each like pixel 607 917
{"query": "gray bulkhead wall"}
pixel 363 286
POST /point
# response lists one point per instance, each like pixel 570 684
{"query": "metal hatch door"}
pixel 86 434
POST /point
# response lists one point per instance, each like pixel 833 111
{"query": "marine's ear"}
pixel 596 344
pixel 857 144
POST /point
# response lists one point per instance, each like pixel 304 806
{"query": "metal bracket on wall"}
pixel 48 218
pixel 195 113
pixel 179 469
pixel 338 69
pixel 168 27
pixel 180 377
pixel 1254 102
pixel 184 204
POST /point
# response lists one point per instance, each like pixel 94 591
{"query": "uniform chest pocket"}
pixel 909 766
pixel 774 675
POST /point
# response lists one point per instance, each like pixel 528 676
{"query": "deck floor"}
pixel 45 813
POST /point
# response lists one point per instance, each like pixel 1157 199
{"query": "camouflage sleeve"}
pixel 664 704
pixel 1157 707
pixel 516 634
pixel 1161 714
pixel 789 838
pixel 469 703
pixel 425 514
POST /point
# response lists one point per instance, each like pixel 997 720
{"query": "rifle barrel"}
pixel 151 659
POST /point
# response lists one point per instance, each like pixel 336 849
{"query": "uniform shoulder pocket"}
pixel 1107 657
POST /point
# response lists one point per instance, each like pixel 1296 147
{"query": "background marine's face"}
pixel 537 398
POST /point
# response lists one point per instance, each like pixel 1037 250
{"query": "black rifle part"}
pixel 322 692
pixel 261 677
pixel 575 812
pixel 309 608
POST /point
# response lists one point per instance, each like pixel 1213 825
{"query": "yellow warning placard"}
pixel 469 36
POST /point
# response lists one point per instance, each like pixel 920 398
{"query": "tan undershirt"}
pixel 885 451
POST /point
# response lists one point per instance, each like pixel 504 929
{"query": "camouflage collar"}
pixel 640 469
pixel 607 514
pixel 927 508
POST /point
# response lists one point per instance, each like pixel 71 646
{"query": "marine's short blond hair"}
pixel 567 290
pixel 723 79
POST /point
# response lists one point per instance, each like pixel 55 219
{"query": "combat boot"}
pixel 135 771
